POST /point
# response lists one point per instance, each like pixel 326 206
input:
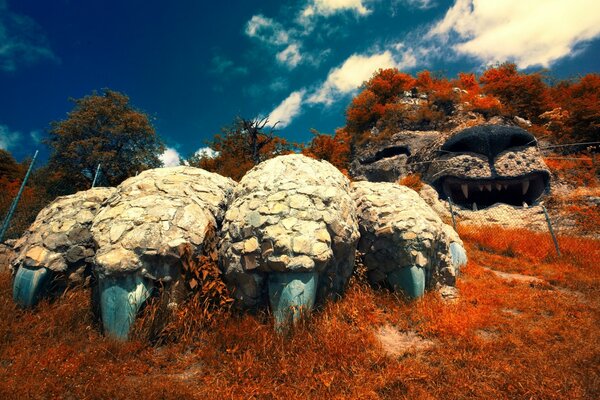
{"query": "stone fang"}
pixel 525 186
pixel 465 190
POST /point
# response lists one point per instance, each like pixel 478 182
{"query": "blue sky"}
pixel 193 66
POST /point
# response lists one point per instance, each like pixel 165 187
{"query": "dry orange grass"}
pixel 501 340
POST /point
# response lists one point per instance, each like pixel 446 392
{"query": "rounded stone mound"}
pixel 290 234
pixel 152 214
pixel 406 245
pixel 60 238
pixel 143 231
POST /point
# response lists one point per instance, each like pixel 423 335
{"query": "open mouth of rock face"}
pixel 481 193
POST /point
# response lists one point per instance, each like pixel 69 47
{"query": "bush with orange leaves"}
pixel 412 181
pixel 335 149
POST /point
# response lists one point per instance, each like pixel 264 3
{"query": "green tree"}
pixel 103 129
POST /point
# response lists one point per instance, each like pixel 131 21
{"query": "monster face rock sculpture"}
pixel 489 164
pixel 57 246
pixel 289 237
pixel 140 231
pixel 405 244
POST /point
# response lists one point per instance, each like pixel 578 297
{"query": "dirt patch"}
pixel 516 277
pixel 399 343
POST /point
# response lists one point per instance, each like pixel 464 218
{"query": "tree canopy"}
pixel 103 129
pixel 240 146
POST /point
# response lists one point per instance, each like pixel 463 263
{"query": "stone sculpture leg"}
pixel 290 295
pixel 30 285
pixel 408 280
pixel 120 300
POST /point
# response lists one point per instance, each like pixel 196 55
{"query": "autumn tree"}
pixel 581 101
pixel 332 148
pixel 521 94
pixel 9 167
pixel 103 129
pixel 241 146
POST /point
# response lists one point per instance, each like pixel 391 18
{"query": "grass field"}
pixel 506 337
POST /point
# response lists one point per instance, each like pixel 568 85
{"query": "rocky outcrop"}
pixel 389 159
pixel 291 215
pixel 406 245
pixel 60 238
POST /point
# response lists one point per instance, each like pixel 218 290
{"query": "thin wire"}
pixel 569 144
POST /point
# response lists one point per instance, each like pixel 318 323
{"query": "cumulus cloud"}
pixel 8 138
pixel 287 109
pixel 420 4
pixel 36 136
pixel 350 75
pixel 267 30
pixel 533 32
pixel 206 152
pixel 22 41
pixel 170 157
pixel 290 56
pixel 329 7
pixel 220 65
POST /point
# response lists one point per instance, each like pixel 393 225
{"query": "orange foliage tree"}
pixel 525 95
pixel 581 101
pixel 238 149
pixel 335 149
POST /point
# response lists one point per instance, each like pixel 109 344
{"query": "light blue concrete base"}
pixel 30 285
pixel 459 256
pixel 408 280
pixel 120 301
pixel 291 294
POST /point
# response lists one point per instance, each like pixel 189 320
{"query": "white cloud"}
pixel 267 30
pixel 22 41
pixel 290 56
pixel 223 66
pixel 36 136
pixel 329 7
pixel 206 152
pixel 170 157
pixel 287 109
pixel 350 75
pixel 532 32
pixel 8 138
pixel 420 4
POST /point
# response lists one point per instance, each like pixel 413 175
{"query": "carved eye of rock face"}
pixel 490 164
pixel 386 160
pixel 385 153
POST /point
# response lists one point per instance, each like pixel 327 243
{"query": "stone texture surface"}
pixel 399 230
pixel 151 215
pixel 59 238
pixel 290 213
pixel 7 254
pixel 389 159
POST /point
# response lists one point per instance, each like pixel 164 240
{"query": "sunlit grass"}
pixel 502 339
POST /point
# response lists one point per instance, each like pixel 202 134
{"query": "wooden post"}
pixel 551 230
pixel 13 206
pixel 96 175
pixel 452 213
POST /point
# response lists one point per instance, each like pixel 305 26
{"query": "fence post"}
pixel 551 230
pixel 96 174
pixel 452 212
pixel 13 205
